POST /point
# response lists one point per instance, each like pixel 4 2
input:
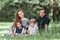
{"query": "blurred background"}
pixel 31 10
pixel 30 7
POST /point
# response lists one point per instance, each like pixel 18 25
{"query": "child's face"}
pixel 18 24
pixel 32 23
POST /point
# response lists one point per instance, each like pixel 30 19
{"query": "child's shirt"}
pixel 33 30
pixel 19 30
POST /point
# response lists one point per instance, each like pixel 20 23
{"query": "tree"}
pixel 30 7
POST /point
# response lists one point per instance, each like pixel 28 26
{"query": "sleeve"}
pixel 23 29
pixel 11 28
pixel 47 20
pixel 28 21
pixel 37 19
pixel 38 23
pixel 29 28
pixel 36 26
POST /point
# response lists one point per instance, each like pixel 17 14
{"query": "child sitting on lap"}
pixel 33 28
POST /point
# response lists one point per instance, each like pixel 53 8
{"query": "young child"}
pixel 18 29
pixel 33 28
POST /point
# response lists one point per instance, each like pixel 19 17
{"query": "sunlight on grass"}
pixel 4 31
pixel 52 33
pixel 6 23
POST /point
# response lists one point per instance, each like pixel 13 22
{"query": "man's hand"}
pixel 46 26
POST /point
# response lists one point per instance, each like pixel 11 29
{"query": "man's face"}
pixel 42 13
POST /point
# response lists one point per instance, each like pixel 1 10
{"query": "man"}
pixel 42 20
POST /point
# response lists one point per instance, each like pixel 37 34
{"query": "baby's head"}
pixel 18 24
pixel 32 22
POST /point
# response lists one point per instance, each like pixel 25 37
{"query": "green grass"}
pixel 6 23
pixel 53 33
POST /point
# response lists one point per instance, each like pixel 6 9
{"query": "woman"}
pixel 20 17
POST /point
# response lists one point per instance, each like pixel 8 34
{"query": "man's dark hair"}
pixel 43 9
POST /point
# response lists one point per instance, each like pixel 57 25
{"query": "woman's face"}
pixel 20 14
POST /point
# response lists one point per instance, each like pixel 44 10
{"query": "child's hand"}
pixel 12 35
pixel 16 34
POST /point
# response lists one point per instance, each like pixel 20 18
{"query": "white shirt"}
pixel 33 30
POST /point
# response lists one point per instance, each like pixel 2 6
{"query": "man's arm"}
pixel 47 21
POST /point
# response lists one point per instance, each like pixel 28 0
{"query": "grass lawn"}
pixel 53 33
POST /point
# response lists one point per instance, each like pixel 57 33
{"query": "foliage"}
pixel 30 8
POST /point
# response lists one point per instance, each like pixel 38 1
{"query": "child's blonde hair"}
pixel 32 20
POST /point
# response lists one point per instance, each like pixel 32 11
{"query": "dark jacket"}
pixel 42 21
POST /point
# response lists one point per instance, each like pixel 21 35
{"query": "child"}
pixel 33 28
pixel 18 29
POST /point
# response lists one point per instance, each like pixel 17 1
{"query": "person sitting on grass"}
pixel 18 29
pixel 42 20
pixel 33 28
pixel 21 18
